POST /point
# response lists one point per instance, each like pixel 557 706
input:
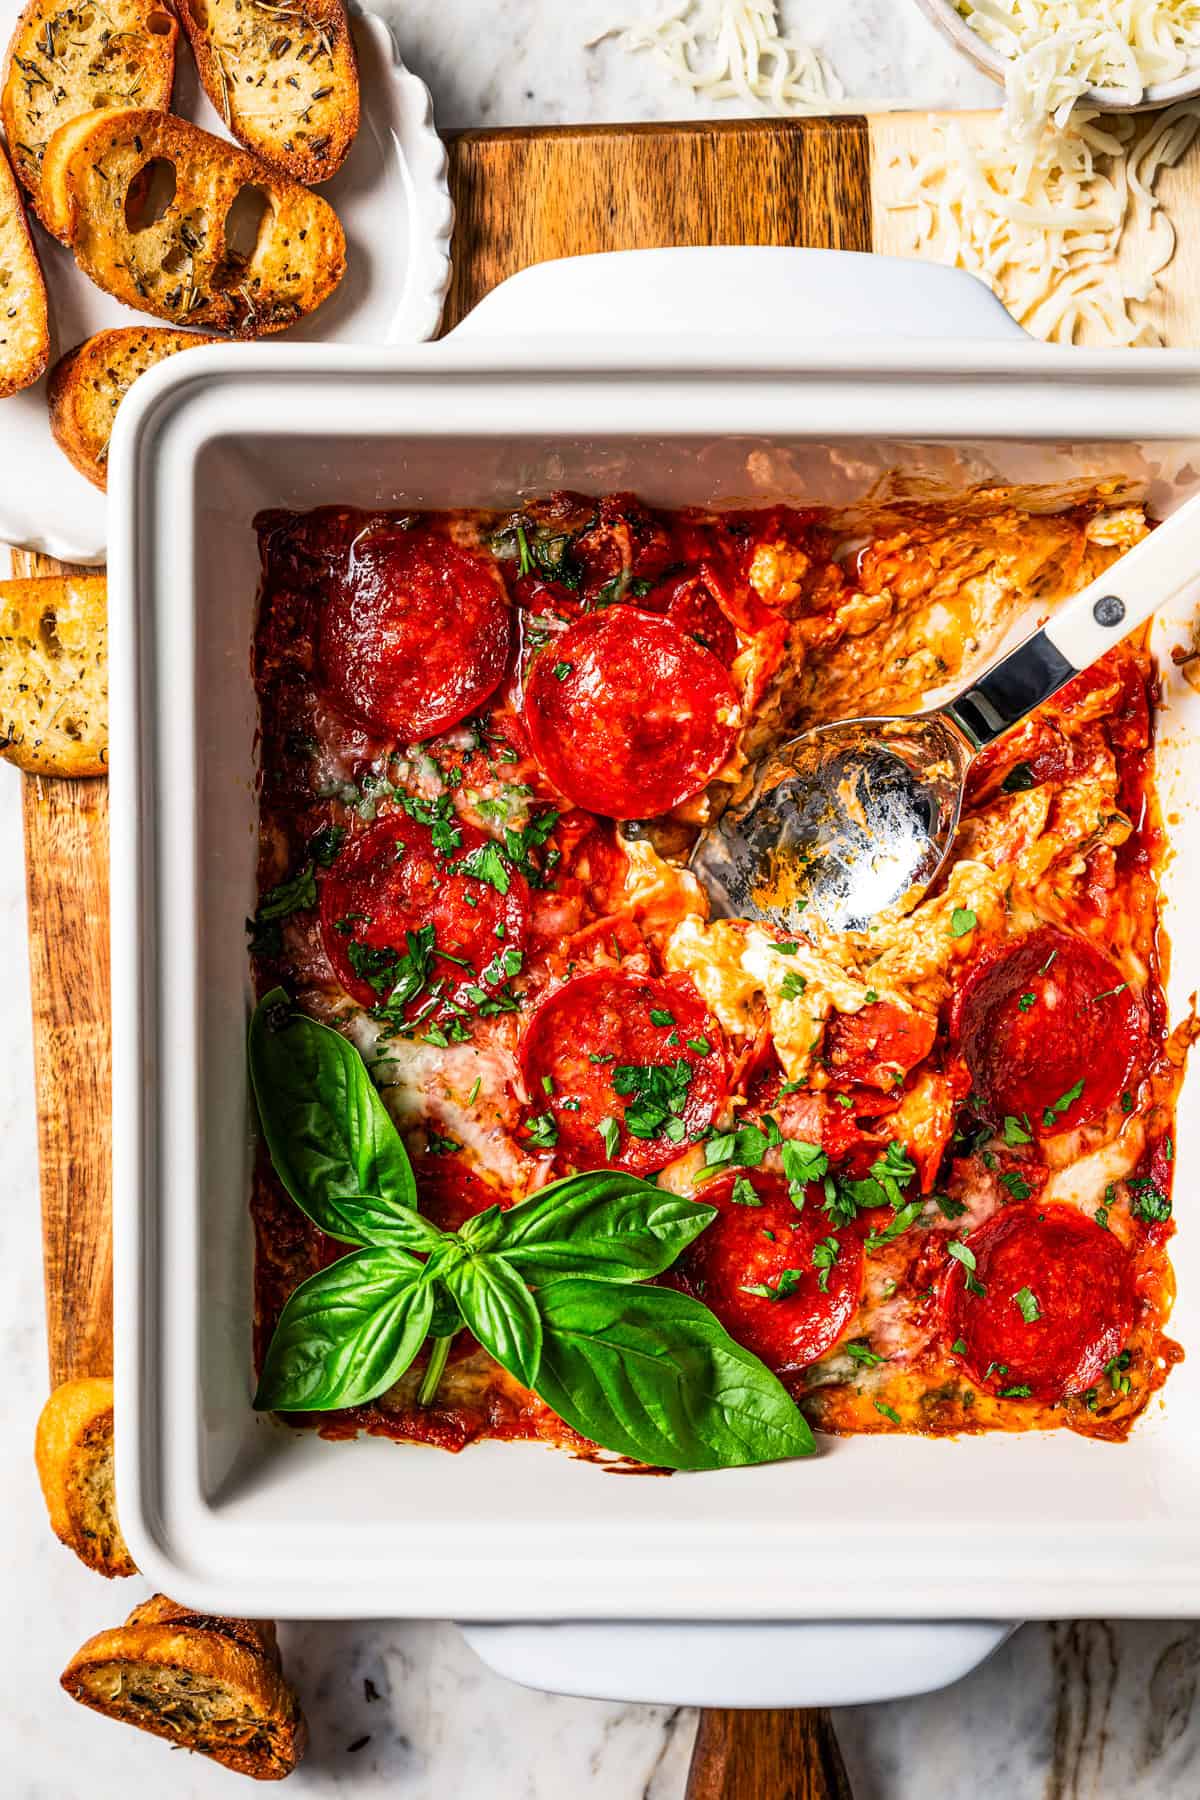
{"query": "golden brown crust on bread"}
pixel 66 58
pixel 88 384
pixel 24 320
pixel 54 674
pixel 178 223
pixel 74 1454
pixel 283 77
pixel 212 1685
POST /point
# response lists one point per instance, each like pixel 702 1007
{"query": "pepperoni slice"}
pixel 879 1045
pixel 389 887
pixel 771 1245
pixel 415 633
pixel 690 602
pixel 1053 1262
pixel 1048 1029
pixel 623 1070
pixel 627 715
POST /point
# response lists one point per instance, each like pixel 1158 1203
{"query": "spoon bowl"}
pixel 846 820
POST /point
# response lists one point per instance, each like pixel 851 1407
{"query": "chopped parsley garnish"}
pixel 473 1096
pixel 743 1193
pixel 802 1163
pixel 792 985
pixel 950 1209
pixel 398 978
pixel 296 894
pixel 660 1016
pixel 1118 1380
pixel 1149 1204
pixel 659 1094
pixel 1016 1131
pixel 966 1256
pixel 562 670
pixel 699 1046
pixel 862 1353
pixel 1063 1104
pixel 782 1288
pixel 610 1132
pixel 1019 779
pixel 503 966
pixel 520 845
pixel 889 1412
pixel 1101 1217
pixel 324 845
pixel 1017 1187
pixel 746 1147
pixel 1026 1001
pixel 601 1056
pixel 1127 1102
pixel 824 1259
pixel 900 1223
pixel 1020 1392
pixel 787 949
pixel 439 1145
pixel 542 1131
pixel 1026 1303
pixel 439 815
pixel 958 1347
pixel 962 920
pixel 485 863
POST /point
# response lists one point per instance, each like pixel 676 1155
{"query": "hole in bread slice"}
pixel 150 194
pixel 248 212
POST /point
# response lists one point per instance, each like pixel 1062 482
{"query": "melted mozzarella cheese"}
pixel 915 952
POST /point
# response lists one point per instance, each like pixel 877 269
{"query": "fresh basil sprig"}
pixel 550 1288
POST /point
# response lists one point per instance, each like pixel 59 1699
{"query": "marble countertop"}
pixel 1063 1712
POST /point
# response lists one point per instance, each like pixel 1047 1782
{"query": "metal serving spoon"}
pixel 857 816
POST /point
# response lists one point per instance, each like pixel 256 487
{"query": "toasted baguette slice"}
pixel 66 58
pixel 54 674
pixel 24 321
pixel 213 1685
pixel 175 222
pixel 283 77
pixel 88 384
pixel 74 1452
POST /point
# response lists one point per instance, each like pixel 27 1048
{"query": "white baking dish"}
pixel 715 398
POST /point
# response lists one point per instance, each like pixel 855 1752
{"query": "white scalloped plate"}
pixel 392 198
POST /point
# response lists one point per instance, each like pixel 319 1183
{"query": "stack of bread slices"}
pixel 212 237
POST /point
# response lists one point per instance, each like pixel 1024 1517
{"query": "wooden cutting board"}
pixel 522 196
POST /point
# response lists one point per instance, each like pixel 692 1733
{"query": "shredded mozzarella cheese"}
pixel 1058 49
pixel 1041 221
pixel 734 50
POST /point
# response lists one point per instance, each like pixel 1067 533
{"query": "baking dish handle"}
pixel 745 292
pixel 739 1665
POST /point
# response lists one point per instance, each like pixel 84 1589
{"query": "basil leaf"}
pixel 328 1132
pixel 500 1310
pixel 347 1333
pixel 366 1219
pixel 608 1226
pixel 652 1375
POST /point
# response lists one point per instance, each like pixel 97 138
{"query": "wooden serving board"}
pixel 522 196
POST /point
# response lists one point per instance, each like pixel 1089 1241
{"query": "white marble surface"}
pixel 1095 1712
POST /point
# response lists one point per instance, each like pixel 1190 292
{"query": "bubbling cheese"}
pixel 1057 49
pixel 734 50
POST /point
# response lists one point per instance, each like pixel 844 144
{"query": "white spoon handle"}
pixel 1090 623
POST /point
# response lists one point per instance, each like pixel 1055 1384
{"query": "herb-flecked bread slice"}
pixel 207 1684
pixel 74 1454
pixel 283 75
pixel 177 223
pixel 24 321
pixel 88 384
pixel 54 674
pixel 66 59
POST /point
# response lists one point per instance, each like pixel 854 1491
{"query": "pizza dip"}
pixel 939 1150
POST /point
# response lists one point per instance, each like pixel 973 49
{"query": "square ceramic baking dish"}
pixel 752 376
